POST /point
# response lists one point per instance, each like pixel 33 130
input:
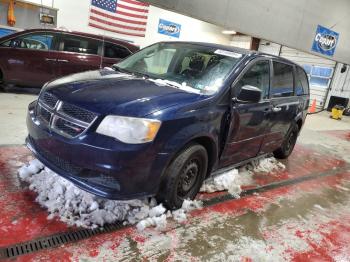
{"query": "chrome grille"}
pixel 44 114
pixel 63 118
pixel 77 112
pixel 66 127
pixel 49 99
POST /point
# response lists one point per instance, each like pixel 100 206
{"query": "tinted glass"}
pixel 37 41
pixel 282 84
pixel 115 51
pixel 6 43
pixel 302 85
pixel 80 45
pixel 258 76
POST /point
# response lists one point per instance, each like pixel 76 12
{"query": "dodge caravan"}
pixel 165 118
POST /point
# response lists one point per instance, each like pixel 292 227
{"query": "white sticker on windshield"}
pixel 228 53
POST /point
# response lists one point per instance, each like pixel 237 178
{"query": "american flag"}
pixel 127 17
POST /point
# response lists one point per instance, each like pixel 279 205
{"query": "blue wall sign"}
pixel 5 31
pixel 169 28
pixel 325 41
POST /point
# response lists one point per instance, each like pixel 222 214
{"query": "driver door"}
pixel 248 120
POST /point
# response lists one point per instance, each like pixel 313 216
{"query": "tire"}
pixel 183 177
pixel 1 78
pixel 288 144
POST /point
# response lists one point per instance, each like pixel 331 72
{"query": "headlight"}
pixel 129 130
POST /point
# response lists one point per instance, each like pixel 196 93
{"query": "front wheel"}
pixel 184 176
pixel 288 144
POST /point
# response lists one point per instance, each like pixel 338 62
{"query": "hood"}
pixel 109 92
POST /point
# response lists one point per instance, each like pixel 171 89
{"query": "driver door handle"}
pixel 62 60
pixel 50 59
pixel 276 109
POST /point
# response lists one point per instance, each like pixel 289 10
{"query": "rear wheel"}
pixel 184 176
pixel 1 77
pixel 288 144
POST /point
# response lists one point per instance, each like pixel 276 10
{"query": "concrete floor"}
pixel 13 111
pixel 302 213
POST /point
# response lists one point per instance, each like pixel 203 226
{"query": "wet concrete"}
pixel 302 220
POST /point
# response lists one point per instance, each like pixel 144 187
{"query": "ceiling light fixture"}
pixel 229 32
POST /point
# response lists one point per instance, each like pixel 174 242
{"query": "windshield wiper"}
pixel 123 70
pixel 141 74
pixel 177 85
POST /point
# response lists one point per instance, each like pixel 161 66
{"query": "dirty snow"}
pixel 74 206
pixel 233 179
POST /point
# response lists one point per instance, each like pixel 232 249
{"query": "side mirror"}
pixel 249 94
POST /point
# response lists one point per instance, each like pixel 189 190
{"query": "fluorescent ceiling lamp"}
pixel 229 32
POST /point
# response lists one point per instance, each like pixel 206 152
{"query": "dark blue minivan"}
pixel 165 118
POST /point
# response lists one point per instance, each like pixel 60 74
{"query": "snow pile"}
pixel 26 171
pixel 76 207
pixel 234 179
pixel 266 165
pixel 226 181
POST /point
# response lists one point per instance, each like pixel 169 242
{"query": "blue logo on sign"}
pixel 325 41
pixel 169 28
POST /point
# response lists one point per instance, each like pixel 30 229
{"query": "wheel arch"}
pixel 211 148
pixel 204 140
pixel 299 122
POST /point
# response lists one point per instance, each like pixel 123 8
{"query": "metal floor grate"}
pixel 55 240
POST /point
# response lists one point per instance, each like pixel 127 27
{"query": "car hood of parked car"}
pixel 110 92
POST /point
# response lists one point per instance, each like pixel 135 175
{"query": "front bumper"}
pixel 96 163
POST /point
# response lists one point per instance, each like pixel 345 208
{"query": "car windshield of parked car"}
pixel 190 67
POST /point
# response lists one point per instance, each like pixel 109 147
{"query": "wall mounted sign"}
pixel 47 19
pixel 325 41
pixel 169 28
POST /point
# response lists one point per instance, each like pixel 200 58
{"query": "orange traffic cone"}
pixel 312 108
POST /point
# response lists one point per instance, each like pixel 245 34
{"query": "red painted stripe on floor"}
pixel 342 134
pixel 90 248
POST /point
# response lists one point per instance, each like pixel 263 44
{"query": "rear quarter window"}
pixel 283 80
pixel 115 51
pixel 302 84
pixel 79 44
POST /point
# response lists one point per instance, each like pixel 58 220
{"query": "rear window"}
pixel 302 84
pixel 115 51
pixel 283 82
pixel 80 45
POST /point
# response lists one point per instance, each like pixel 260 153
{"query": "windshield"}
pixel 190 67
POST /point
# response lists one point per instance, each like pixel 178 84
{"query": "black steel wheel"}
pixel 288 144
pixel 184 176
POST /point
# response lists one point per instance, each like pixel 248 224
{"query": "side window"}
pixel 36 41
pixel 115 51
pixel 258 76
pixel 302 84
pixel 282 82
pixel 81 45
pixel 6 43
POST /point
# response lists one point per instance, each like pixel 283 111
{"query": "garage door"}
pixel 319 70
pixel 341 83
